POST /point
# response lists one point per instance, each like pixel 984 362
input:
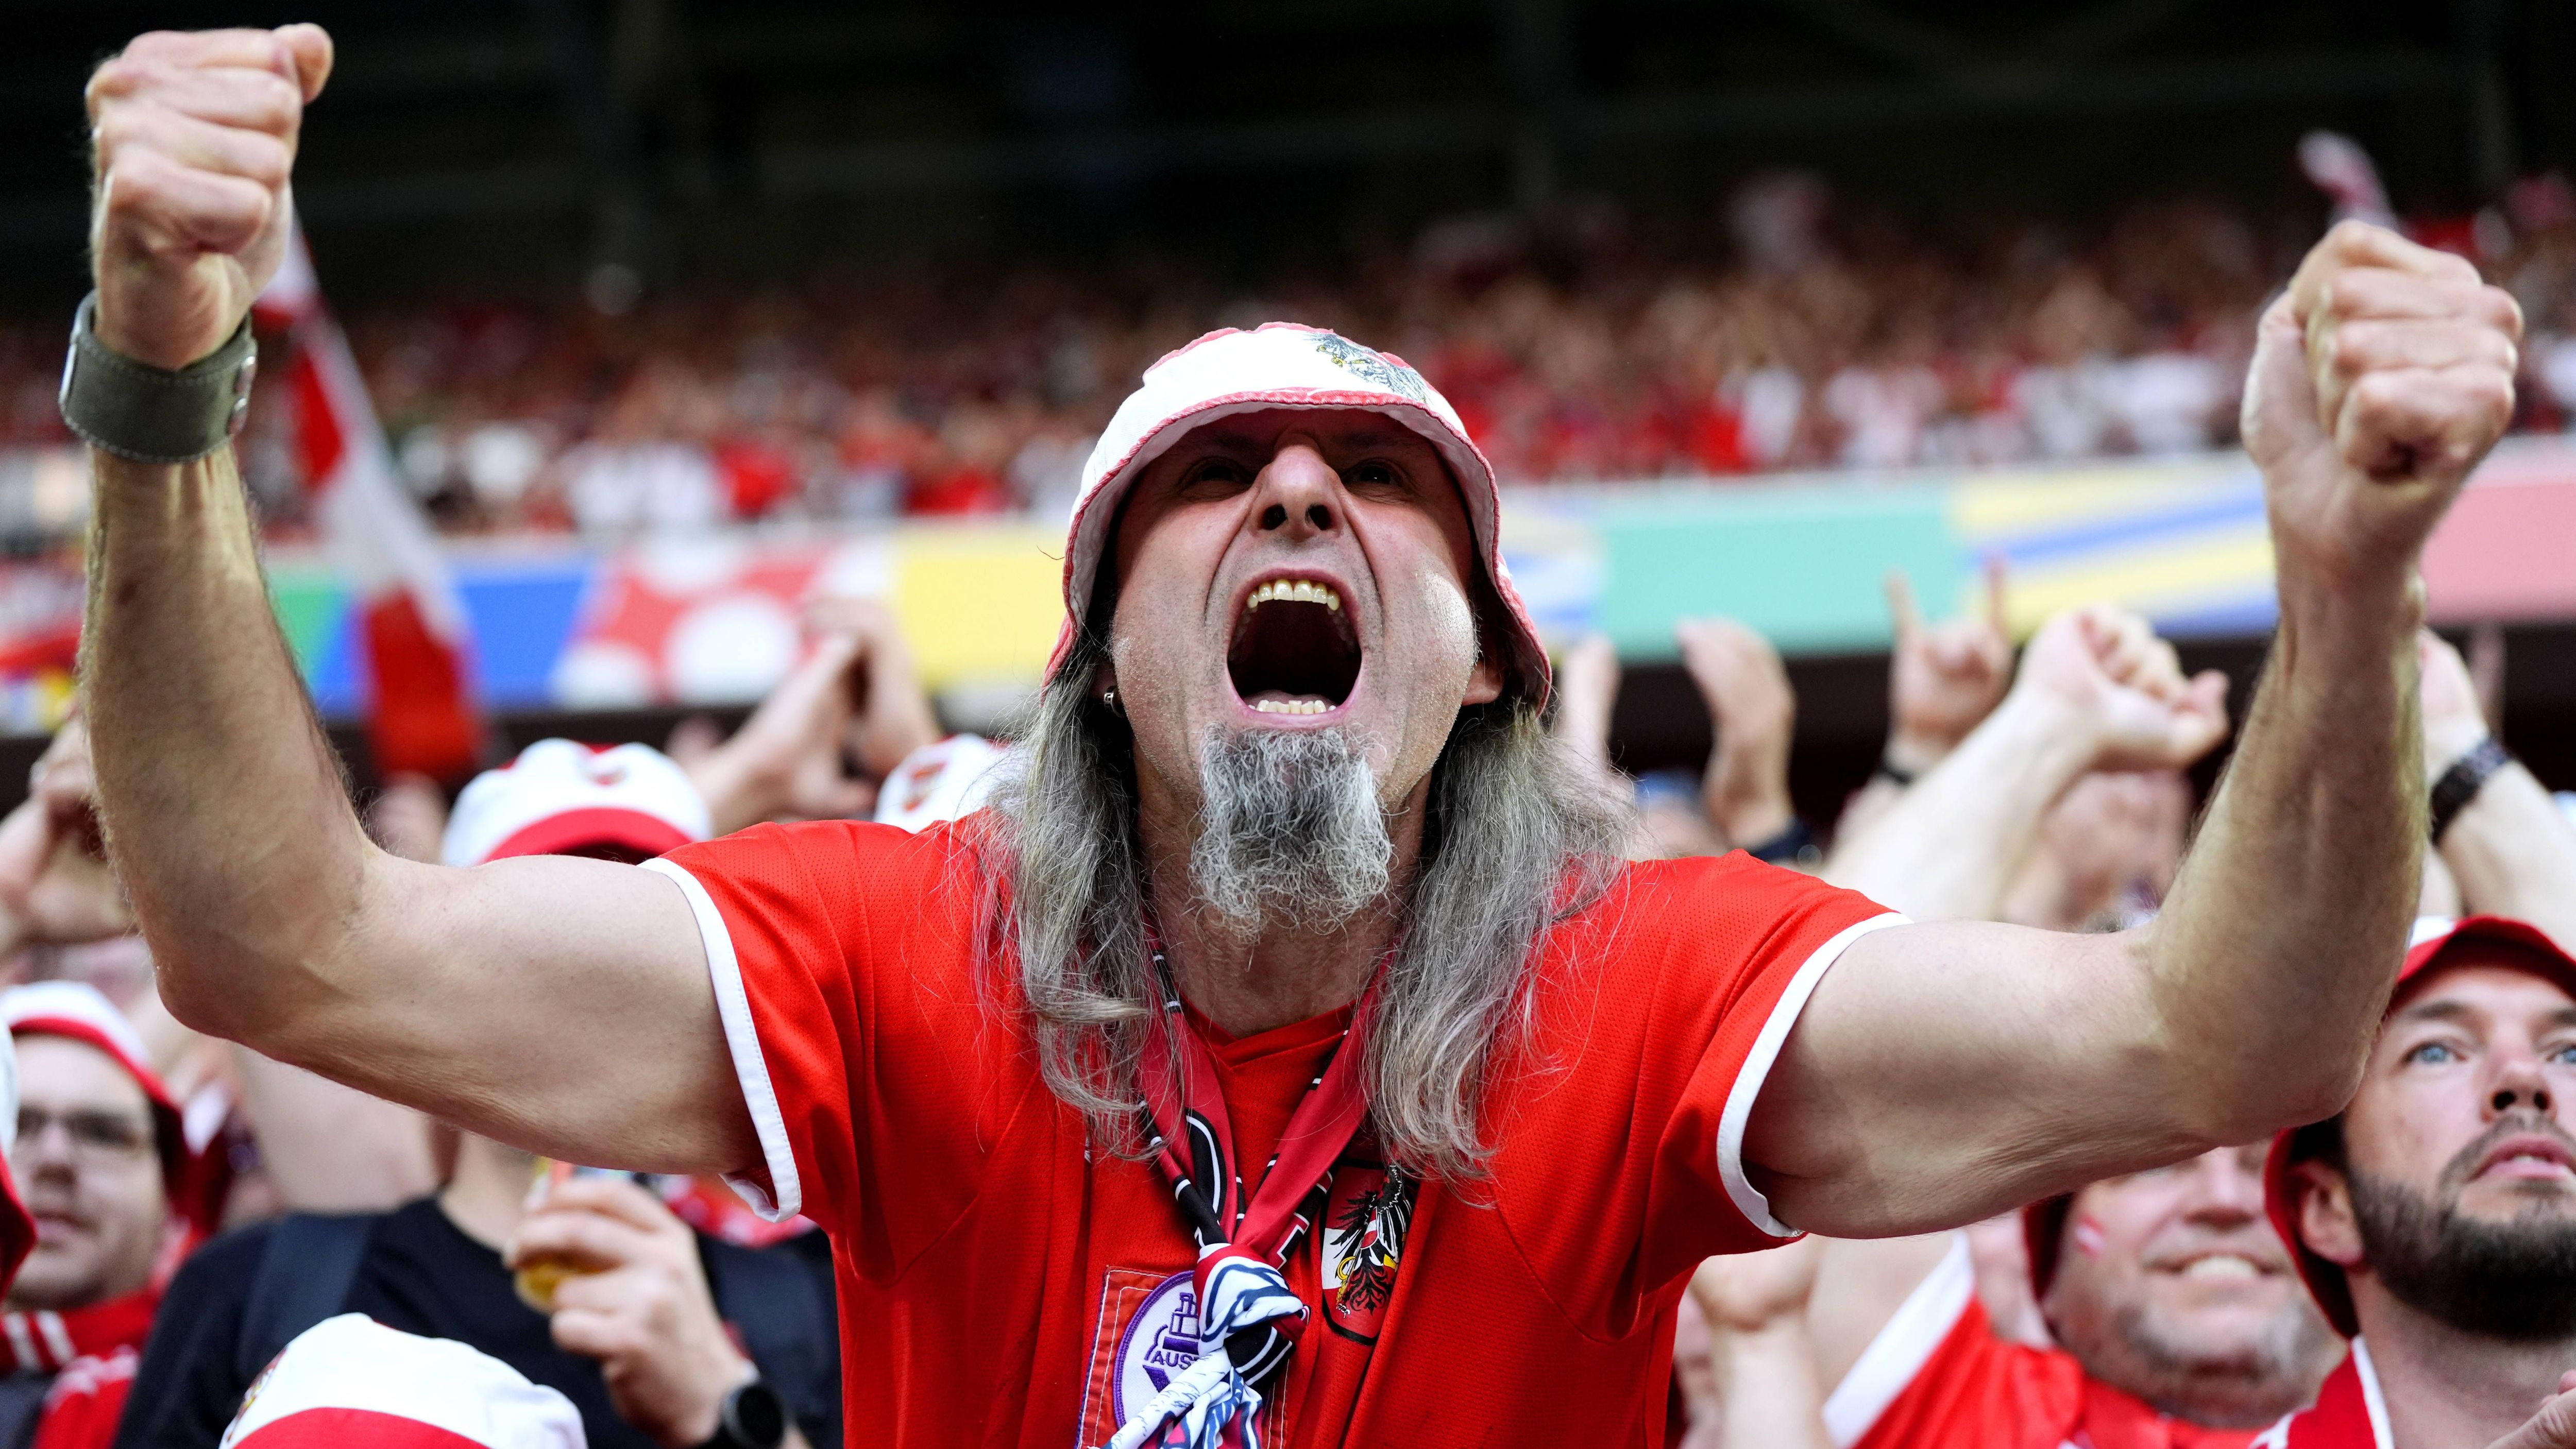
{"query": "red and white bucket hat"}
pixel 349 1380
pixel 77 1010
pixel 1285 365
pixel 2434 943
pixel 561 798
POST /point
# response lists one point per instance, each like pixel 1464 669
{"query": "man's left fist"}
pixel 2380 379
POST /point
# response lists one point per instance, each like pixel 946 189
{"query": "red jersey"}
pixel 1939 1377
pixel 2348 1413
pixel 1003 1282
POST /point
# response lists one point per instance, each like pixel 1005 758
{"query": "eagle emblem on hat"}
pixel 1372 365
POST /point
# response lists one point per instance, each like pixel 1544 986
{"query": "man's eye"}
pixel 2564 1056
pixel 1375 473
pixel 2433 1054
pixel 1216 473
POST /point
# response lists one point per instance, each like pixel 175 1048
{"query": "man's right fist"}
pixel 194 139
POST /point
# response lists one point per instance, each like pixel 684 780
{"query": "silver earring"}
pixel 1109 697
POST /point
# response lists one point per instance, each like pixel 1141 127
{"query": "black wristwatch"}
pixel 2461 783
pixel 752 1416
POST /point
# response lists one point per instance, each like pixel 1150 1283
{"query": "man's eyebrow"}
pixel 2435 1010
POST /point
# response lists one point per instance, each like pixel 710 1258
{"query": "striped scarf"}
pixel 46 1341
pixel 1249 1318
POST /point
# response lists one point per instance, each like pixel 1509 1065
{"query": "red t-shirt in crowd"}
pixel 1939 1377
pixel 1004 1282
pixel 2348 1413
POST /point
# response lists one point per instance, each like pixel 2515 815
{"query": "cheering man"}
pixel 1286 1053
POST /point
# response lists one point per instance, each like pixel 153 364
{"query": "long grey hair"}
pixel 1517 837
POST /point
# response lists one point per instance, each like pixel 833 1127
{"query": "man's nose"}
pixel 2226 1187
pixel 2516 1083
pixel 1298 495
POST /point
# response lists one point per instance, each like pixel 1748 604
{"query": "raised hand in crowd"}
pixel 1944 678
pixel 2097 690
pixel 2112 842
pixel 641 1305
pixel 1942 681
pixel 1754 715
pixel 2504 840
pixel 1587 689
pixel 818 745
pixel 55 884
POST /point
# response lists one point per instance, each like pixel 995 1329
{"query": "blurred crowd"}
pixel 197 1206
pixel 1795 336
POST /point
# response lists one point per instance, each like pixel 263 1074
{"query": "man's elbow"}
pixel 2250 1106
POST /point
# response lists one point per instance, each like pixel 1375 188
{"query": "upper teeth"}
pixel 1296 591
pixel 2221 1265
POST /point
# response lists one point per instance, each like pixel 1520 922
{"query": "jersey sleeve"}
pixel 1740 947
pixel 840 955
pixel 1665 1005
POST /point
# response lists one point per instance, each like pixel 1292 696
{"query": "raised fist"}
pixel 2380 378
pixel 1748 1292
pixel 2106 670
pixel 194 139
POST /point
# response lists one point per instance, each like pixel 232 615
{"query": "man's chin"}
pixel 2509 1201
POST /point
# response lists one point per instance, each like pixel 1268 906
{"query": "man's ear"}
pixel 2326 1223
pixel 1485 681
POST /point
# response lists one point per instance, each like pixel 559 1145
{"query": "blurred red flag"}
pixel 421 710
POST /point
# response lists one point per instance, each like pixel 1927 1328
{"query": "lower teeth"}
pixel 1290 706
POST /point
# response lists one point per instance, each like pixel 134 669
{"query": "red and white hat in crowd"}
pixel 2437 942
pixel 17 1227
pixel 77 1010
pixel 563 798
pixel 1284 365
pixel 945 780
pixel 350 1380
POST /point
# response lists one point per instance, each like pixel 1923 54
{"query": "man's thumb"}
pixel 2280 392
pixel 309 46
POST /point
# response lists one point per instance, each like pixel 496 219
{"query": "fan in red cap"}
pixel 17 1229
pixel 114 1232
pixel 2434 1219
pixel 350 1381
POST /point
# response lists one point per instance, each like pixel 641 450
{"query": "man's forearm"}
pixel 224 806
pixel 1945 849
pixel 2275 952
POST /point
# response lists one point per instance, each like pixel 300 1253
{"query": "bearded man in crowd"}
pixel 2436 1216
pixel 1287 1051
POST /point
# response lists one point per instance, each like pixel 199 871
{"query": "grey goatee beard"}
pixel 1290 830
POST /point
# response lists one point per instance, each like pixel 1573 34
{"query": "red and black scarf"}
pixel 1249 1318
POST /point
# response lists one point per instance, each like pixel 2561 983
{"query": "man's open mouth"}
pixel 1295 648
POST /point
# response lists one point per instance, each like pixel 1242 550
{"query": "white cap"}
pixel 350 1380
pixel 1284 365
pixel 943 781
pixel 559 797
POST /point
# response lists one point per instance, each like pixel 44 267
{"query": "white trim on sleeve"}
pixel 1903 1347
pixel 1757 1066
pixel 742 1039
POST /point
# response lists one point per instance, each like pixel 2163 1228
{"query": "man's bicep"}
pixel 556 1003
pixel 1944 1072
